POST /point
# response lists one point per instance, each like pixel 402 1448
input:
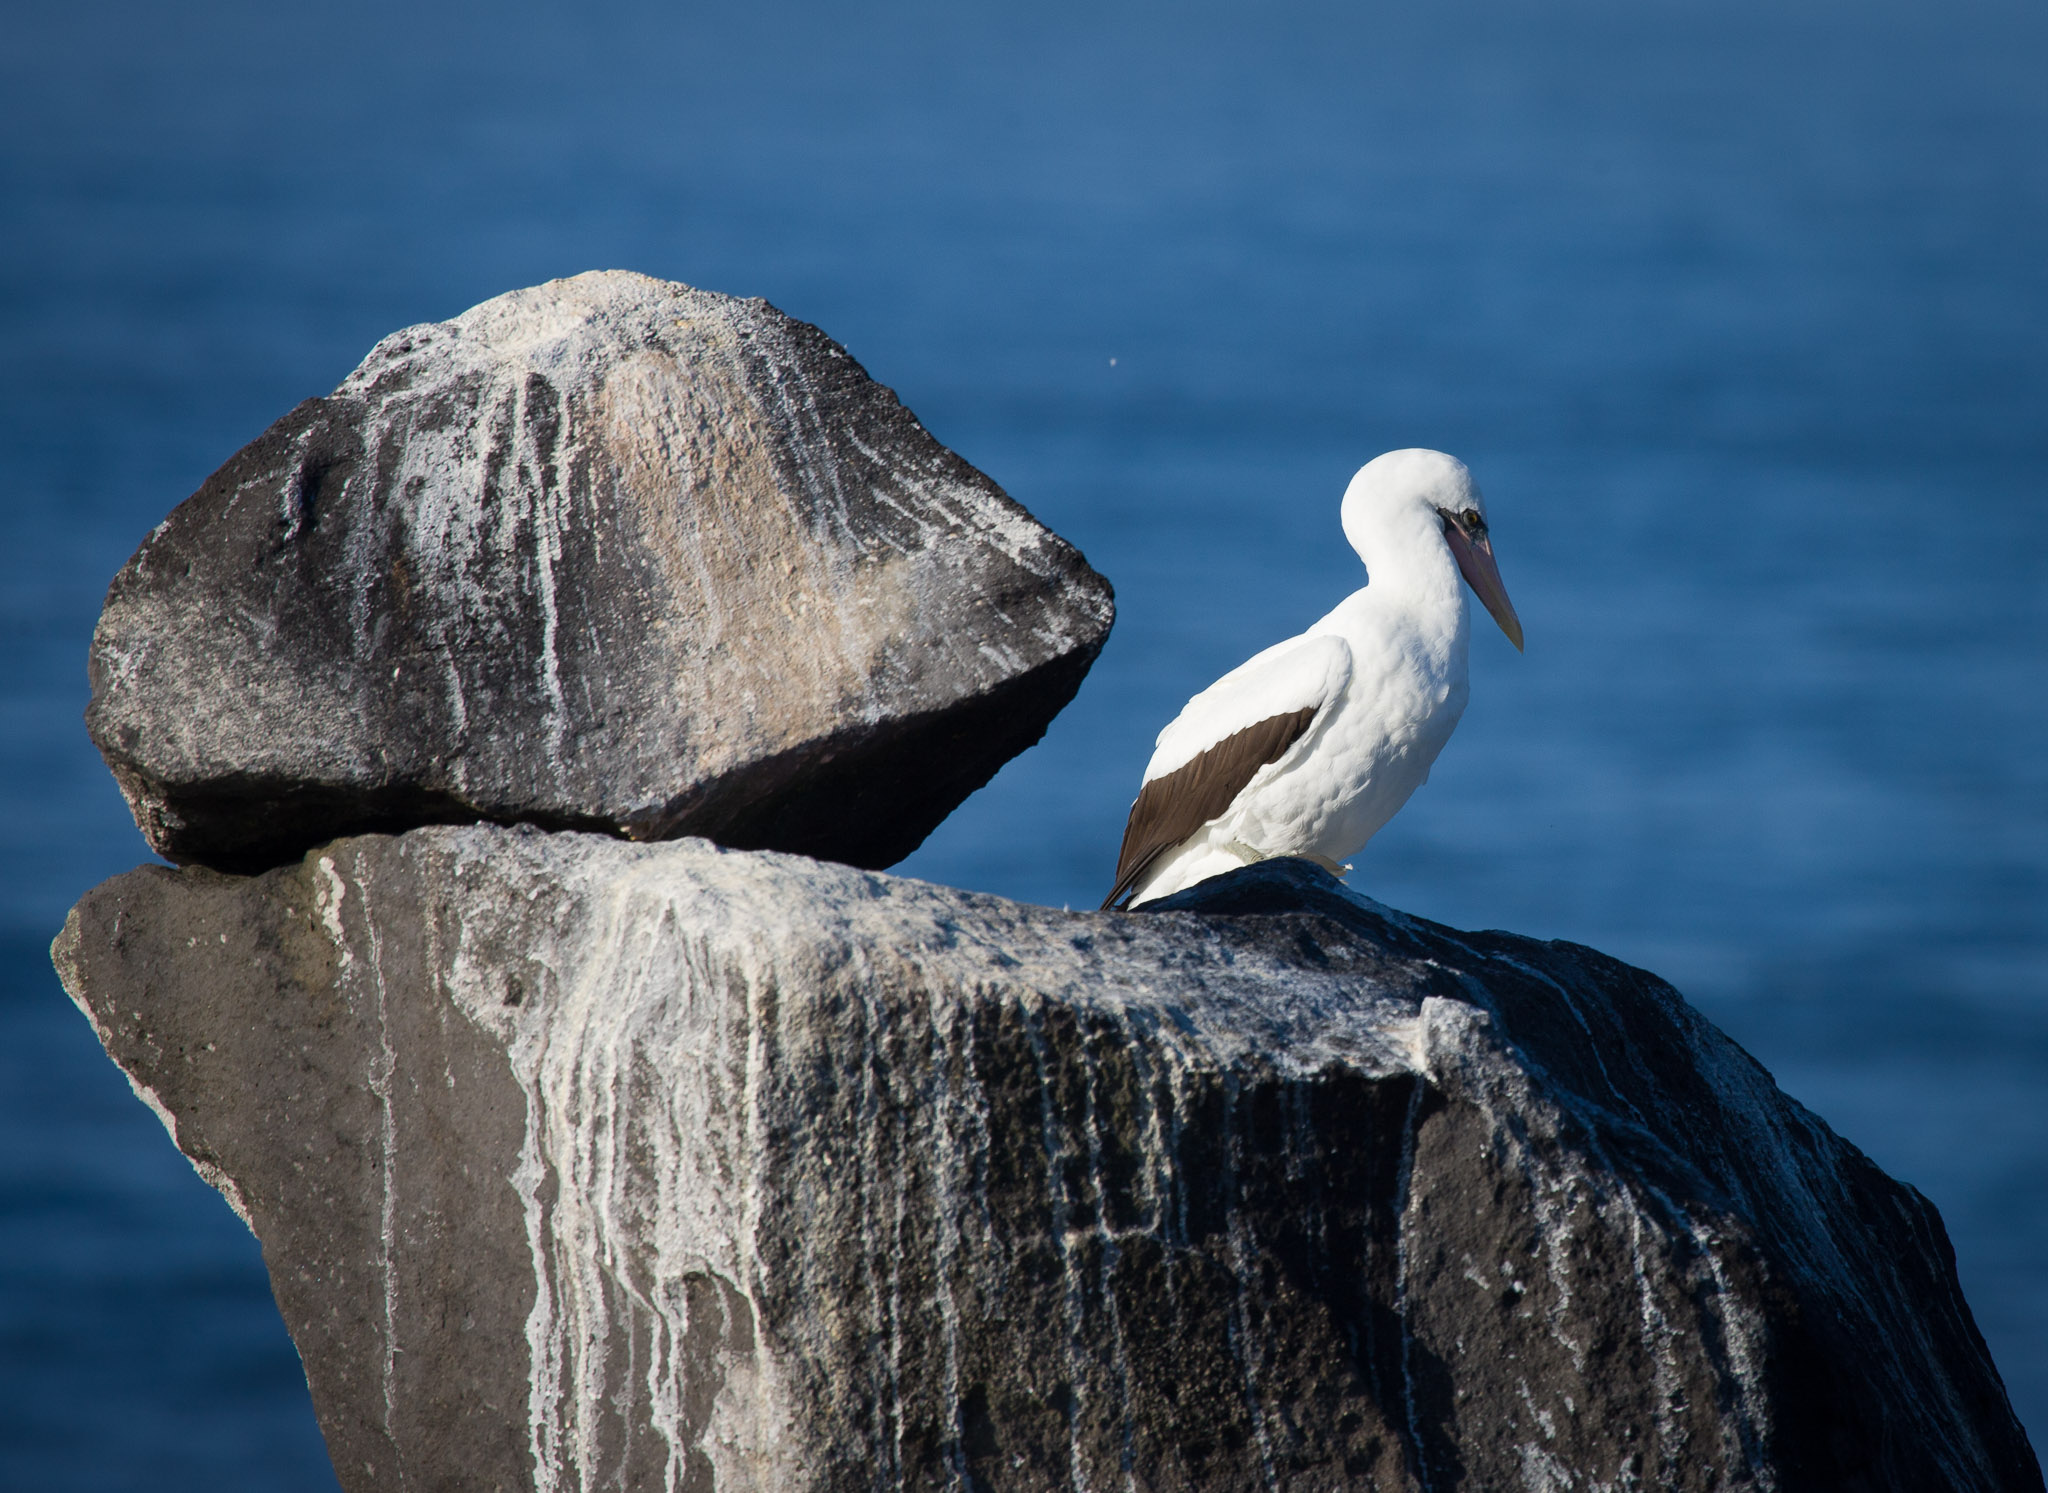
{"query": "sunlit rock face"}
pixel 610 553
pixel 581 1164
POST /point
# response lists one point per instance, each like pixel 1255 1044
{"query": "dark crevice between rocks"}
pixel 247 824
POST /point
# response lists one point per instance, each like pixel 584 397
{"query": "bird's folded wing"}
pixel 1299 674
pixel 1221 739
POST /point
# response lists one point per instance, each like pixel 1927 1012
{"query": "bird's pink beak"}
pixel 1475 563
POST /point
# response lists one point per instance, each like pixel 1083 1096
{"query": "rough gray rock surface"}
pixel 586 1165
pixel 610 554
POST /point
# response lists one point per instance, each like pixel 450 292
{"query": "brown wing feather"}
pixel 1173 806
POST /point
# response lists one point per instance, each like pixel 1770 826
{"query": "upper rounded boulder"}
pixel 608 553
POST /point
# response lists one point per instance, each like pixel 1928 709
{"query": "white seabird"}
pixel 1309 747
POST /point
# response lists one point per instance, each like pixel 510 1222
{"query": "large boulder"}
pixel 611 554
pixel 581 1165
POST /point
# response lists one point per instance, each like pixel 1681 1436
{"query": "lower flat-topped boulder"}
pixel 580 1164
pixel 611 554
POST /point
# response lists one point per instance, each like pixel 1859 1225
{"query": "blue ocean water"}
pixel 1739 310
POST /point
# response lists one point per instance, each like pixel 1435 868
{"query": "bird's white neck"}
pixel 1410 571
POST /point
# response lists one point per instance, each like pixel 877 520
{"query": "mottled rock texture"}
pixel 610 554
pixel 587 1165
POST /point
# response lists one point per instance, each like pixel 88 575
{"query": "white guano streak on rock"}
pixel 460 535
pixel 832 524
pixel 1106 1243
pixel 361 567
pixel 990 520
pixel 1175 1226
pixel 573 1330
pixel 1157 1150
pixel 382 1074
pixel 1555 1194
pixel 1571 1006
pixel 328 898
pixel 1506 1088
pixel 291 499
pixel 1745 1430
pixel 1656 1333
pixel 1243 1343
pixel 886 1305
pixel 645 999
pixel 545 1347
pixel 823 494
pixel 1733 1074
pixel 550 495
pixel 1404 1197
pixel 1746 1425
pixel 974 1153
pixel 819 514
pixel 1008 528
pixel 1809 1197
pixel 900 1200
pixel 948 1201
pixel 752 1278
pixel 1657 1337
pixel 1033 1014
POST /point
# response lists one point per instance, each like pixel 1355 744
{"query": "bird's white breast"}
pixel 1376 742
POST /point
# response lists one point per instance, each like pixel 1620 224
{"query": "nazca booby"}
pixel 1310 746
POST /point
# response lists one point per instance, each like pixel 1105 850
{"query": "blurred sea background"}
pixel 1738 309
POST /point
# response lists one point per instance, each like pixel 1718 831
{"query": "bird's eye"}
pixel 1472 519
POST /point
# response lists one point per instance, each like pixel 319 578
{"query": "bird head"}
pixel 1418 493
